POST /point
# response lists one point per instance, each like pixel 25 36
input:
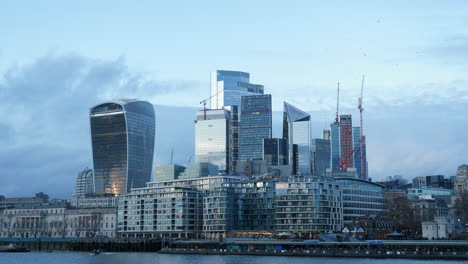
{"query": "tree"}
pixel 461 207
pixel 401 212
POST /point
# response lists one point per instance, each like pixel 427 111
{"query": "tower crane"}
pixel 363 138
pixel 337 117
pixel 205 100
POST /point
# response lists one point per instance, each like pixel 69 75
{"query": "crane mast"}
pixel 362 139
pixel 337 117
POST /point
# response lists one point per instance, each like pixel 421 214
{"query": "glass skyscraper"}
pixel 296 131
pixel 212 138
pixel 227 88
pixel 321 156
pixel 275 151
pixel 255 126
pixel 122 135
pixel 335 145
pixel 357 154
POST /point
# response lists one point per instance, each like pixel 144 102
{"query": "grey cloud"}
pixel 45 127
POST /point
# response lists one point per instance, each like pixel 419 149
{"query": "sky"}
pixel 59 58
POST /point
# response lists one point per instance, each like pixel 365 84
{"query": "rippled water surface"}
pixel 154 258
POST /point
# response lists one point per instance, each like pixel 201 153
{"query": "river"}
pixel 65 257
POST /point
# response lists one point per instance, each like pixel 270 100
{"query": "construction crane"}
pixel 337 117
pixel 363 138
pixel 205 100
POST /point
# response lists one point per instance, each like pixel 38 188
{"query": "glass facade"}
pixel 227 88
pixel 275 151
pixel 233 136
pixel 360 198
pixel 255 126
pixel 308 204
pixel 321 155
pixel 358 152
pixel 335 145
pixel 212 138
pixel 122 135
pixel 296 131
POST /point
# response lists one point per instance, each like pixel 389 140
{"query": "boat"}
pixel 14 248
pixel 96 252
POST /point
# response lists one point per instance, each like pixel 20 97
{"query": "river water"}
pixel 65 257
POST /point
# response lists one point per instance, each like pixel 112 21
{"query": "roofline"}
pixel 360 180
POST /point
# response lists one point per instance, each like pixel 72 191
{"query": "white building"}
pixel 58 221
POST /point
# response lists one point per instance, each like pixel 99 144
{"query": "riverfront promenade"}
pixel 312 248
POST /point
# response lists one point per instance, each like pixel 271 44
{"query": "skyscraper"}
pixel 84 184
pixel 122 135
pixel 227 88
pixel 233 135
pixel 212 138
pixel 275 151
pixel 255 126
pixel 296 131
pixel 346 142
pixel 358 152
pixel 335 146
pixel 321 156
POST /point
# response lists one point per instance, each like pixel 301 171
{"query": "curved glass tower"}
pixel 122 135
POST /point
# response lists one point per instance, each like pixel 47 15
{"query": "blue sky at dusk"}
pixel 59 58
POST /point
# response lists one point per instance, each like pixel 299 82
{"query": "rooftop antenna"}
pixel 363 138
pixel 337 118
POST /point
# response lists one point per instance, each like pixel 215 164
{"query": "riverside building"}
pixel 214 207
pixel 360 198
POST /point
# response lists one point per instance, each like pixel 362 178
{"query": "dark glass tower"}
pixel 275 151
pixel 122 135
pixel 255 125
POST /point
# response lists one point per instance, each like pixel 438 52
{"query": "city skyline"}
pixel 415 79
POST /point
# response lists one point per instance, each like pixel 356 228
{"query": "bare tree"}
pixel 93 224
pixel 62 227
pixel 401 212
pixel 9 223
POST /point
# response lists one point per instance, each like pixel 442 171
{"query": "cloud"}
pixel 411 130
pixel 452 49
pixel 44 127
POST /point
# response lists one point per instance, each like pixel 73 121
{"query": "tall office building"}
pixel 84 184
pixel 321 156
pixel 335 146
pixel 346 142
pixel 275 151
pixel 358 152
pixel 212 138
pixel 233 135
pixel 122 135
pixel 296 131
pixel 227 88
pixel 255 126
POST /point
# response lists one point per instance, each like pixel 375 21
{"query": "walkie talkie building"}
pixel 122 135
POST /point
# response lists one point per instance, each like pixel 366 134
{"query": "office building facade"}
pixel 321 154
pixel 212 138
pixel 227 88
pixel 346 142
pixel 335 146
pixel 296 131
pixel 122 135
pixel 275 151
pixel 256 125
